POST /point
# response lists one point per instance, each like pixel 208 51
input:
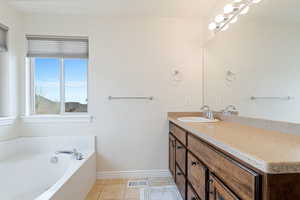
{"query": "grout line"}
pixel 98 198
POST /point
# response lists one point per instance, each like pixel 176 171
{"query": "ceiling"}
pixel 156 8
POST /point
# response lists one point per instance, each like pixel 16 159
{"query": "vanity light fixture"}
pixel 256 1
pixel 225 27
pixel 219 18
pixel 245 10
pixel 229 9
pixel 234 20
pixel 230 15
pixel 212 26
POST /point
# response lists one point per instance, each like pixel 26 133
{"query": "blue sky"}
pixel 47 79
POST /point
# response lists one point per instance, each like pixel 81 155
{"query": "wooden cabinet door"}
pixel 172 155
pixel 191 195
pixel 241 180
pixel 197 175
pixel 181 182
pixel 180 134
pixel 218 191
pixel 181 156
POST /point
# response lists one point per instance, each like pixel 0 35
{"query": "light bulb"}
pixel 234 20
pixel 238 1
pixel 225 28
pixel 256 1
pixel 228 9
pixel 245 10
pixel 212 26
pixel 219 18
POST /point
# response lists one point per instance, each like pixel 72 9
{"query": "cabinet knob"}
pixel 210 181
pixel 179 173
pixel 194 163
pixel 179 147
pixel 194 198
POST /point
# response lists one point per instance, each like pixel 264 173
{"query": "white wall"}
pixel 9 64
pixel 130 56
pixel 265 57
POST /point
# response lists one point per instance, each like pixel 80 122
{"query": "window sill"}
pixel 5 121
pixel 57 118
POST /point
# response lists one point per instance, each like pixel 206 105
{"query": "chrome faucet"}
pixel 229 110
pixel 207 112
pixel 75 154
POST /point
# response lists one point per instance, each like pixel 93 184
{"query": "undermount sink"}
pixel 197 119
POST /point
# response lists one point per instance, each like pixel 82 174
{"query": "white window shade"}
pixel 3 38
pixel 58 47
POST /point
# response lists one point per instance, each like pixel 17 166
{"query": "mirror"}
pixel 255 63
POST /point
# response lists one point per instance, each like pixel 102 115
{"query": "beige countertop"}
pixel 269 151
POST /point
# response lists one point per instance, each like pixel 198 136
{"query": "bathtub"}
pixel 27 172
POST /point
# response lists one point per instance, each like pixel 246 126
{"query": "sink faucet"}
pixel 207 112
pixel 75 154
pixel 229 110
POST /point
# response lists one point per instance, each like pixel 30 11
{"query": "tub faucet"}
pixel 207 112
pixel 75 154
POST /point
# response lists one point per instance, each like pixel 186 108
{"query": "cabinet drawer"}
pixel 191 195
pixel 238 178
pixel 172 127
pixel 181 156
pixel 217 190
pixel 197 175
pixel 180 182
pixel 179 133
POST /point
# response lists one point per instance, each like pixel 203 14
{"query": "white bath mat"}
pixel 165 181
pixel 160 193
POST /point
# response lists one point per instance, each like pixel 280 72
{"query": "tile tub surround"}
pixel 272 152
pixel 116 189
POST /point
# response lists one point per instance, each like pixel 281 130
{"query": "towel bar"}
pixel 130 98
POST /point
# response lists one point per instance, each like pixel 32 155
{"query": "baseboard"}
pixel 133 174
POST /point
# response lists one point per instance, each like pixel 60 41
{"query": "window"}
pixel 59 71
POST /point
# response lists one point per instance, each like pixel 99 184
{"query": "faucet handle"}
pixel 230 106
pixel 80 156
pixel 229 110
pixel 205 107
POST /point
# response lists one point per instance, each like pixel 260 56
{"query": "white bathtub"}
pixel 27 173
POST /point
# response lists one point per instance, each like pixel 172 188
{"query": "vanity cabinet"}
pixel 179 133
pixel 197 175
pixel 191 194
pixel 172 153
pixel 219 191
pixel 239 178
pixel 180 181
pixel 203 172
pixel 181 156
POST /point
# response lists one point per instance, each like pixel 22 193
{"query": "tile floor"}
pixel 116 189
